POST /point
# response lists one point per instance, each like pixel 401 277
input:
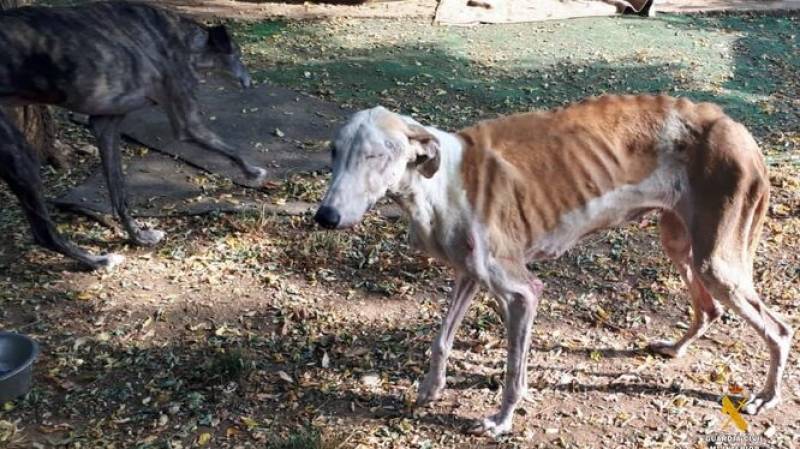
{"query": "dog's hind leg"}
pixel 185 118
pixel 725 229
pixel 678 247
pixel 19 167
pixel 463 292
pixel 106 131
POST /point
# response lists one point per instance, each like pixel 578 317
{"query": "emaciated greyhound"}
pixel 106 59
pixel 495 196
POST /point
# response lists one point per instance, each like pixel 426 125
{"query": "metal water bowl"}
pixel 17 353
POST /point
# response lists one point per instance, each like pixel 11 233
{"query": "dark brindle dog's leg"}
pixel 106 131
pixel 19 167
pixel 185 118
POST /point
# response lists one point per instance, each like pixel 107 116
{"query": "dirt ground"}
pixel 254 330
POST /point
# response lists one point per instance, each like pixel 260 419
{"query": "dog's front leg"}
pixel 520 300
pixel 106 131
pixel 463 292
pixel 185 118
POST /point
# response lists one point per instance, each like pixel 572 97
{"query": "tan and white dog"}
pixel 525 187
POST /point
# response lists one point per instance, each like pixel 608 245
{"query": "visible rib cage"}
pixel 525 172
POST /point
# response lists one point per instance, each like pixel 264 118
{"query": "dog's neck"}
pixel 435 205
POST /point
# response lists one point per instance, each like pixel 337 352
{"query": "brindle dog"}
pixel 106 59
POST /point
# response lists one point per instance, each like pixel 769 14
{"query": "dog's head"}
pixel 375 153
pixel 213 47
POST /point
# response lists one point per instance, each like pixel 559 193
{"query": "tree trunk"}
pixel 35 122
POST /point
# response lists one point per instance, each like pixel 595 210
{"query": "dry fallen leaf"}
pixel 285 377
pixel 326 361
pixel 203 439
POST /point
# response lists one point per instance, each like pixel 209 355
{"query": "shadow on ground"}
pixel 215 382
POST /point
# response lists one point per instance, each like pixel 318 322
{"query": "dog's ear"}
pixel 220 40
pixel 428 159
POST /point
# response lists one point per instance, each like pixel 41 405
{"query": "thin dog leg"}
pixel 106 131
pixel 187 125
pixel 520 300
pixel 19 167
pixel 678 247
pixel 731 284
pixel 705 311
pixel 431 387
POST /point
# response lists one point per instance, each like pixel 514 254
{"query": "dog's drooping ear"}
pixel 219 39
pixel 428 159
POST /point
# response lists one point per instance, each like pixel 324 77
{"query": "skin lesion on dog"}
pixel 487 208
pixel 107 59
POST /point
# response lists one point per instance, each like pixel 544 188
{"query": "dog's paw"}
pixel 256 175
pixel 761 401
pixel 666 348
pixel 149 237
pixel 492 426
pixel 108 261
pixel 430 390
pixel 113 260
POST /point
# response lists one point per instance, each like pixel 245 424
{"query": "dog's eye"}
pixel 391 145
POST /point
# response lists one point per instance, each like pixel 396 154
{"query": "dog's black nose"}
pixel 327 217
